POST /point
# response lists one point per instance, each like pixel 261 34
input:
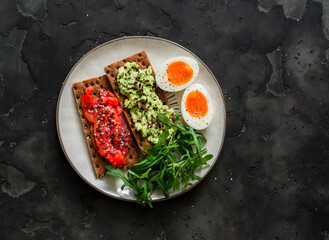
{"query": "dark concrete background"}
pixel 271 59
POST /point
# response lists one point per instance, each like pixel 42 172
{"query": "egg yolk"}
pixel 179 73
pixel 196 104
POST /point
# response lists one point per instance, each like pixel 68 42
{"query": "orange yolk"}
pixel 179 73
pixel 196 104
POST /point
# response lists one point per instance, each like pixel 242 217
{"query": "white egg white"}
pixel 197 123
pixel 162 78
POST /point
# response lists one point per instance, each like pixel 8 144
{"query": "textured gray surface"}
pixel 271 60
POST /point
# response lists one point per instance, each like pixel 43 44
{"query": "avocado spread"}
pixel 138 86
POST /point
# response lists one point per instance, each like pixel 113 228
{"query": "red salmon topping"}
pixel 111 134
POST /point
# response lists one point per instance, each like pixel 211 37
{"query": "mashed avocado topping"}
pixel 138 86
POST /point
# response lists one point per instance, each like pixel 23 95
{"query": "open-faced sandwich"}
pixel 133 82
pixel 106 130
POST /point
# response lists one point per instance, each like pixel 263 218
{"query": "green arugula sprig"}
pixel 170 164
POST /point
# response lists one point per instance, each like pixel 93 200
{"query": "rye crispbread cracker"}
pixel 112 72
pixel 97 160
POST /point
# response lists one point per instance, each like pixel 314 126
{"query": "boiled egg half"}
pixel 196 107
pixel 177 74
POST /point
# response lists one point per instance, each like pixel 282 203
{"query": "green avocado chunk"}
pixel 137 86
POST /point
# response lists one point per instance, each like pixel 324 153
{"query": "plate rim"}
pixel 141 37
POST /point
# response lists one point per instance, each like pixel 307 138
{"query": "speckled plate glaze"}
pixel 92 64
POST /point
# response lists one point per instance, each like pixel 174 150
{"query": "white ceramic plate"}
pixel 92 64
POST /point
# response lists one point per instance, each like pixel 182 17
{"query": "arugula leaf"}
pixel 116 172
pixel 163 118
pixel 142 196
pixel 162 187
pixel 196 141
pixel 163 138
